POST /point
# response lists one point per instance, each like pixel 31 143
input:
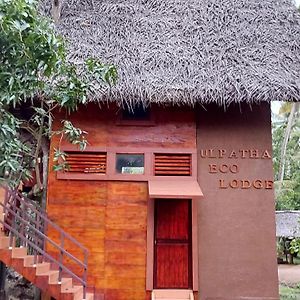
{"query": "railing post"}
pixel 44 231
pixel 13 223
pixel 22 230
pixel 35 258
pixel 36 235
pixel 6 216
pixel 26 222
pixel 5 202
pixel 4 209
pixel 61 256
pixel 85 274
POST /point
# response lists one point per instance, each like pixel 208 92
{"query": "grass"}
pixel 289 292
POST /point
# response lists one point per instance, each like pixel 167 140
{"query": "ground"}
pixel 289 274
pixel 289 279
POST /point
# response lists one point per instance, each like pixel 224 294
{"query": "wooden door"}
pixel 173 261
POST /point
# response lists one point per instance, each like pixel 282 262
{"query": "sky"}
pixel 275 105
pixel 297 2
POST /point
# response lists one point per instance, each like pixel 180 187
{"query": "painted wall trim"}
pixel 148 158
pixel 174 189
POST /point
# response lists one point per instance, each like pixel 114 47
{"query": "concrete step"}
pixel 171 298
pixel 77 292
pixel 28 260
pixel 52 276
pixel 66 283
pixel 89 296
pixel 4 242
pixel 19 252
pixel 42 268
pixel 171 294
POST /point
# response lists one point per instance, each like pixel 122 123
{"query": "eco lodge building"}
pixel 173 197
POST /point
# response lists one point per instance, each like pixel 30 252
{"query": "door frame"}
pixel 150 244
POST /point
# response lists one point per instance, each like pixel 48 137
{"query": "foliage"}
pixel 294 246
pixel 12 149
pixel 76 136
pixel 287 191
pixel 35 79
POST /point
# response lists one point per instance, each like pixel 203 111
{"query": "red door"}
pixel 172 266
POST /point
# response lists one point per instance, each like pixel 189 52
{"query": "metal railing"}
pixel 27 225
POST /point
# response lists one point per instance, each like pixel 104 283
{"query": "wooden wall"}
pixel 109 217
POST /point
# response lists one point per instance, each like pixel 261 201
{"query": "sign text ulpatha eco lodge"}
pixel 234 168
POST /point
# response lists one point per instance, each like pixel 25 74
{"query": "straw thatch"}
pixel 188 51
pixel 288 224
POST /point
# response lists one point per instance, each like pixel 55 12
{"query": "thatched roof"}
pixel 188 51
pixel 288 223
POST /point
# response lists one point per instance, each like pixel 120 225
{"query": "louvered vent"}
pixel 172 164
pixel 86 162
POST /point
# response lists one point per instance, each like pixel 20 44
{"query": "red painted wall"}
pixel 237 258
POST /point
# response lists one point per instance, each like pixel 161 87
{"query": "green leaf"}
pixel 35 78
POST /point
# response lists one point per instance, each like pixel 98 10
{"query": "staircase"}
pixel 172 295
pixel 24 243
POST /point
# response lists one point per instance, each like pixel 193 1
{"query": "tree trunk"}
pixel 287 133
pixel 45 151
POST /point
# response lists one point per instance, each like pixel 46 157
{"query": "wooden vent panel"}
pixel 86 162
pixel 172 164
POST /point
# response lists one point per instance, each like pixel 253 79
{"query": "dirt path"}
pixel 289 274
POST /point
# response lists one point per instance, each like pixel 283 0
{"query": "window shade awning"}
pixel 174 189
